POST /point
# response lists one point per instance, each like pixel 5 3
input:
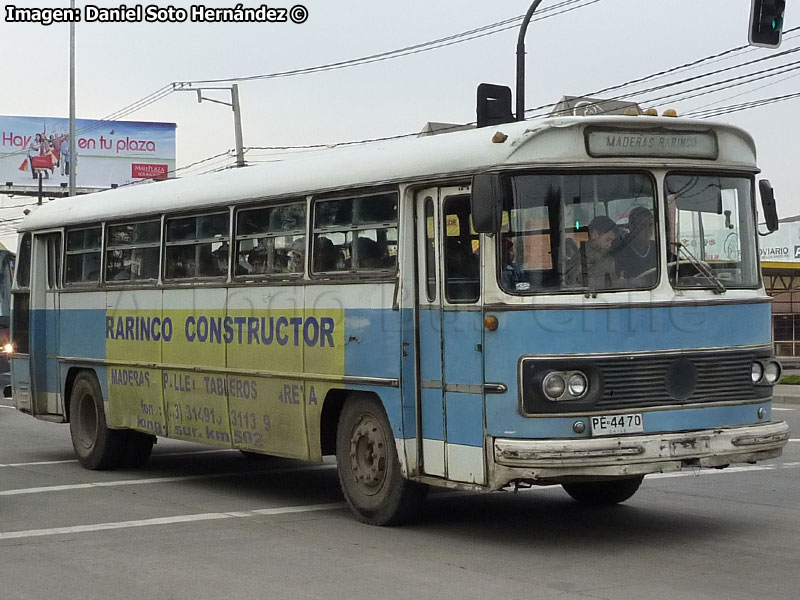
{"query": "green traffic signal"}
pixel 766 23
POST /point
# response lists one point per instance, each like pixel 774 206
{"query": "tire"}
pixel 369 470
pixel 604 493
pixel 98 447
pixel 138 447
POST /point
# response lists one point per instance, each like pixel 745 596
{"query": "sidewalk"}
pixel 786 394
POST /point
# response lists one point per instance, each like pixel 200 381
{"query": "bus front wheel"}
pixel 98 447
pixel 369 470
pixel 603 493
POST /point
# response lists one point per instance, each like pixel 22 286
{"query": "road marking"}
pixel 73 460
pixel 783 409
pixel 43 462
pixel 793 440
pixel 153 480
pixel 6 406
pixel 280 510
pixel 726 471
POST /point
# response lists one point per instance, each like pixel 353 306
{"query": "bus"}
pixel 6 348
pixel 425 309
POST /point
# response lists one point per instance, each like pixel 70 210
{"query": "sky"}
pixel 597 44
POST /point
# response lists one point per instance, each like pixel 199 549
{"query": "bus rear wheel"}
pixel 604 493
pixel 98 447
pixel 368 466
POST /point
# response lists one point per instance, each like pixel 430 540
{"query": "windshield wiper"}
pixel 702 268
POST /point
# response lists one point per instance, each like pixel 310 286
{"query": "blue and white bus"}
pixel 556 302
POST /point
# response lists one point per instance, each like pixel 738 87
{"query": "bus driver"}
pixel 593 265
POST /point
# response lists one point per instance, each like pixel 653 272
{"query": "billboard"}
pixel 108 152
pixel 782 246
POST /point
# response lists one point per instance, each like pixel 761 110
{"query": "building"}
pixel 780 265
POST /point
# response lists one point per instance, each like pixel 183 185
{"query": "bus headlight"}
pixel 757 372
pixel 554 386
pixel 577 385
pixel 8 348
pixel 772 372
pixel 565 385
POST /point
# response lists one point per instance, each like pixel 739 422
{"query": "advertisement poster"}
pixel 108 152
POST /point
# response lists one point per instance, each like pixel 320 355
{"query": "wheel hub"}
pixel 368 455
pixel 87 414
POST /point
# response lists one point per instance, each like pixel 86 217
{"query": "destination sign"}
pixel 651 143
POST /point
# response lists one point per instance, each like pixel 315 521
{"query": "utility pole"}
pixel 73 159
pixel 234 104
pixel 520 116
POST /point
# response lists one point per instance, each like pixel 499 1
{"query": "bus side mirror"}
pixel 768 204
pixel 487 202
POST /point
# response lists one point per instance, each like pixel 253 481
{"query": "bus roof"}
pixel 545 142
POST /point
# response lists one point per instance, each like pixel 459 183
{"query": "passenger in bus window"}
pixel 220 261
pixel 297 255
pixel 594 265
pixel 325 255
pixel 513 276
pixel 368 253
pixel 256 262
pixel 638 253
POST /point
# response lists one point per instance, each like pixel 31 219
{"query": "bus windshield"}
pixel 579 232
pixel 710 221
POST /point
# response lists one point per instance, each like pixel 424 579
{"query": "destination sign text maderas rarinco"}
pixel 651 143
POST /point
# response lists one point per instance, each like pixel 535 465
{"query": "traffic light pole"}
pixel 520 116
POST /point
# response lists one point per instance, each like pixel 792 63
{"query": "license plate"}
pixel 617 424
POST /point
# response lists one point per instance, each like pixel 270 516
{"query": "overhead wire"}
pixel 464 36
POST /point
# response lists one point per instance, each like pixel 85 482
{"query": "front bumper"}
pixel 553 461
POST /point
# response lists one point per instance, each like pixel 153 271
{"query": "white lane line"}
pixel 42 462
pixel 793 440
pixel 153 480
pixel 783 409
pixel 60 462
pixel 6 406
pixel 726 471
pixel 281 510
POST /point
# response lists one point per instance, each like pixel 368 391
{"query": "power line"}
pixel 724 110
pixel 464 36
pixel 671 70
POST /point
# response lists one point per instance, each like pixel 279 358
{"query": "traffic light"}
pixel 766 23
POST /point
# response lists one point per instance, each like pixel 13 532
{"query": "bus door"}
pixel 449 326
pixel 45 282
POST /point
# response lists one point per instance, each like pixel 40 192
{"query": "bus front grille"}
pixel 621 382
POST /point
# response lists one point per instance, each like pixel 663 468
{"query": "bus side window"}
pixel 83 255
pixel 132 251
pixel 430 251
pixel 21 297
pixel 461 244
pixel 197 247
pixel 24 262
pixel 270 241
pixel 53 261
pixel 355 234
